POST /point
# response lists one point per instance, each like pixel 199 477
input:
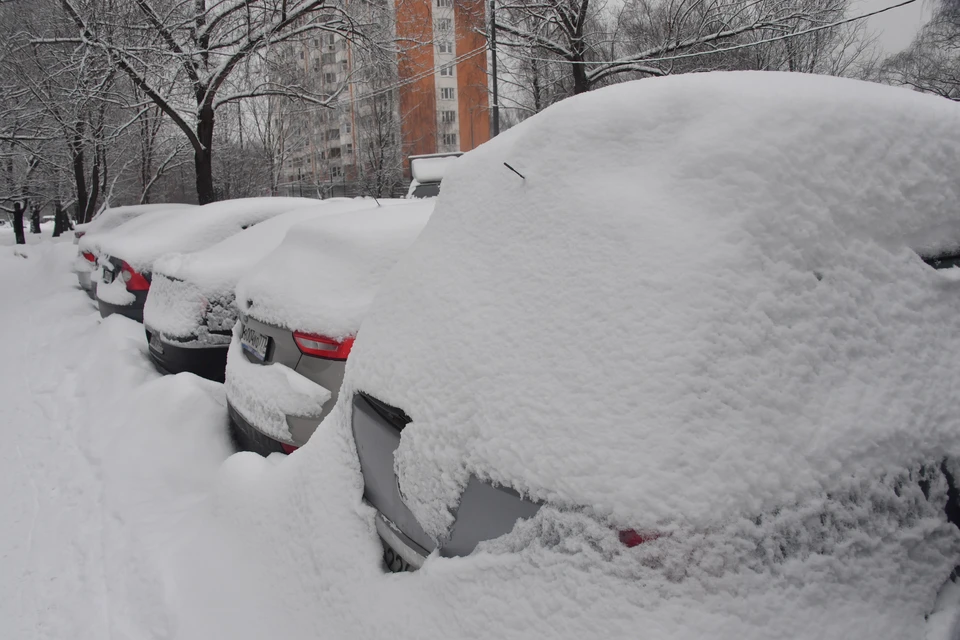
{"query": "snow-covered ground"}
pixel 123 517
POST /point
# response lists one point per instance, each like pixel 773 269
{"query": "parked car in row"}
pixel 427 172
pixel 300 309
pixel 693 341
pixel 190 310
pixel 85 265
pixel 126 254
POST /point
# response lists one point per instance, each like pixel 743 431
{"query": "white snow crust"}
pixel 122 516
pixel 115 292
pixel 113 217
pixel 702 303
pixel 141 241
pixel 265 396
pixel 324 274
pixel 188 287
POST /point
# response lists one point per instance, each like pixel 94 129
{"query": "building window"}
pixel 301 55
pixel 336 172
pixel 330 78
pixel 347 128
pixel 446 71
pixel 448 116
pixel 444 46
pixel 335 152
pixel 348 148
pixel 316 43
pixel 329 58
pixel 450 139
pixel 448 93
pixel 444 3
pixel 443 25
pixel 333 134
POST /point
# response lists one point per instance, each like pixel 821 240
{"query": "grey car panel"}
pixel 377 440
pixel 282 349
pixel 485 511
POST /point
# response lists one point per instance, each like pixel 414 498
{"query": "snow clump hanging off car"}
pixel 126 254
pixel 695 311
pixel 300 310
pixel 189 313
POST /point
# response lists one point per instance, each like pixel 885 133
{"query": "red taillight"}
pixel 323 347
pixel 89 257
pixel 133 280
pixel 288 448
pixel 632 538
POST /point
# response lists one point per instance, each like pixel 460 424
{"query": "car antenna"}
pixel 514 170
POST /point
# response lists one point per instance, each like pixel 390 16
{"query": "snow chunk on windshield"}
pixel 324 274
pixel 701 300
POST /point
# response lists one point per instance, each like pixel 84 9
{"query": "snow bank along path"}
pixel 92 474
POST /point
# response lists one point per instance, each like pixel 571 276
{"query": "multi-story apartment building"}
pixel 434 99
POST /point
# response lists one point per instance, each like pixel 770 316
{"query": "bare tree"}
pixel 198 46
pixel 556 48
pixel 931 63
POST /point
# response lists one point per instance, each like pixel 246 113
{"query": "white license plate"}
pixel 155 342
pixel 255 343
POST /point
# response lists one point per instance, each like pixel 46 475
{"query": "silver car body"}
pixel 282 349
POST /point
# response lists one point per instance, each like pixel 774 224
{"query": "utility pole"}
pixel 493 57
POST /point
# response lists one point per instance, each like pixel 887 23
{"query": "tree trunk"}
pixel 59 220
pixel 79 174
pixel 203 158
pixel 580 82
pixel 35 219
pixel 18 208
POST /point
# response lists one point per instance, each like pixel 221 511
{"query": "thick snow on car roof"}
pixel 141 241
pixel 324 274
pixel 700 300
pixel 176 307
pixel 113 217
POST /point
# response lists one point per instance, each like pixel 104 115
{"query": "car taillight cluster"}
pixel 633 538
pixel 323 347
pixel 134 280
pixel 89 257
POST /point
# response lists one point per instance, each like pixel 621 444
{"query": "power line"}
pixel 683 56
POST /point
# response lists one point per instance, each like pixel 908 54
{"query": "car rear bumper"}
pixel 206 361
pixel 407 554
pixel 248 437
pixel 133 311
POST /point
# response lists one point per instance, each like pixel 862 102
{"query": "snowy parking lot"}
pixel 124 515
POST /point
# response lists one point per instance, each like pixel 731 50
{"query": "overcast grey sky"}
pixel 895 28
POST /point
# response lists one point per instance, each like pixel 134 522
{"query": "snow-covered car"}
pixel 189 313
pixel 86 263
pixel 300 309
pixel 427 172
pixel 691 333
pixel 126 254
